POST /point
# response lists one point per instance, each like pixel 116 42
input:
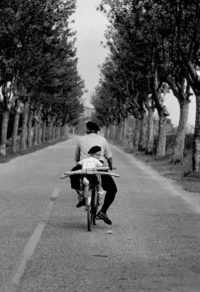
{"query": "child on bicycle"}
pixel 91 162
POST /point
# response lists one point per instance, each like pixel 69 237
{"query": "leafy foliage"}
pixel 38 55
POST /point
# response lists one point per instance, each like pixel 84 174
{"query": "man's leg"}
pixel 109 186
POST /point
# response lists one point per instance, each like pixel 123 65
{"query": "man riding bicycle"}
pixel 83 145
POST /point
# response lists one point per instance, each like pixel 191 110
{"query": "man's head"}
pixel 92 127
pixel 95 151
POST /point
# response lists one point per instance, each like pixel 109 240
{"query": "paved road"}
pixel 155 244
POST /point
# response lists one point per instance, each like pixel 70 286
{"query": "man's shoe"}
pixel 81 203
pixel 104 217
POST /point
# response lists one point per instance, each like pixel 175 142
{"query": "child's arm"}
pixel 99 163
pixel 79 162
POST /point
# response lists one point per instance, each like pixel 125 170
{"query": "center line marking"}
pixel 30 247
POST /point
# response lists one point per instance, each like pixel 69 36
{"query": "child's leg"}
pixel 75 179
pixel 101 190
pixel 81 198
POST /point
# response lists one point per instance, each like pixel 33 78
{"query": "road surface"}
pixel 153 244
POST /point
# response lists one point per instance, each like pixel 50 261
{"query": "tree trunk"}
pixel 65 131
pixel 58 131
pixel 136 134
pixel 44 132
pixel 15 129
pixel 54 132
pixel 24 133
pixel 106 132
pixel 194 81
pixel 179 146
pixel 130 132
pixel 161 147
pixel 150 131
pixel 4 130
pixel 39 134
pixel 50 130
pixel 117 133
pixel 30 130
pixel 36 133
pixel 123 132
pixel 47 131
pixel 143 133
pixel 110 132
pixel 196 148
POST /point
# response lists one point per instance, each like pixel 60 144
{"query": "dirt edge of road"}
pixel 170 182
pixel 179 173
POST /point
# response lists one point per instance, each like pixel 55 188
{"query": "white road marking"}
pixel 30 248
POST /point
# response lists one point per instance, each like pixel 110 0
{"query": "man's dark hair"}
pixel 94 149
pixel 91 126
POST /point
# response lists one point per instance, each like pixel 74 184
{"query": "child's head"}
pixel 95 151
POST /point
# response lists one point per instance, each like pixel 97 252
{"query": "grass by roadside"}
pixel 10 155
pixel 179 173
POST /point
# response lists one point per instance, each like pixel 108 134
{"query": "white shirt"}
pixel 86 142
pixel 90 163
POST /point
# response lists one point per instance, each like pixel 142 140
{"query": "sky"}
pixel 90 26
pixel 173 108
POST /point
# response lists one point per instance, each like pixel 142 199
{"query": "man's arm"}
pixel 110 163
pixel 108 154
pixel 77 153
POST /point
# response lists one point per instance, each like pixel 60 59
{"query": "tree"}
pixel 37 49
pixel 158 42
pixel 181 32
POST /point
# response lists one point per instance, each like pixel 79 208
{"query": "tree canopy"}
pixel 38 55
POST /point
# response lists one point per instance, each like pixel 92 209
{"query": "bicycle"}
pixel 90 184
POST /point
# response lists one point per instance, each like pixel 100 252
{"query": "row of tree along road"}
pixel 154 48
pixel 40 88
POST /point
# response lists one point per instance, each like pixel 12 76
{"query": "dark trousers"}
pixel 107 182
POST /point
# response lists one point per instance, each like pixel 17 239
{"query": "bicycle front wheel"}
pixel 94 205
pixel 89 211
